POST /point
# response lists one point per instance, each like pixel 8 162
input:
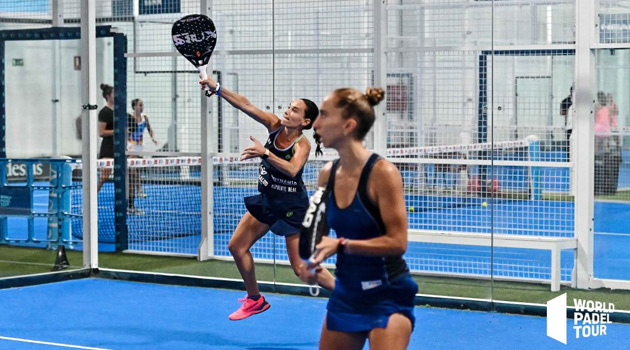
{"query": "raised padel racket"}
pixel 195 37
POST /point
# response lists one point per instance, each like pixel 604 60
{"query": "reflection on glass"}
pixel 612 163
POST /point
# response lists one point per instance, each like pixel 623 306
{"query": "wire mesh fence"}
pixel 459 75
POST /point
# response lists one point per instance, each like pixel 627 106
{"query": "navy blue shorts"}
pixel 349 313
pixel 284 220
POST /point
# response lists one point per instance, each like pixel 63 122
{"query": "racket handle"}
pixel 311 260
pixel 204 76
pixel 203 73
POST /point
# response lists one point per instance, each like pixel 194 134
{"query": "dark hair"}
pixel 134 102
pixel 360 106
pixel 311 113
pixel 107 90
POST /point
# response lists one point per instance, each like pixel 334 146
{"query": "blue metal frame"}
pixel 120 106
pixel 120 142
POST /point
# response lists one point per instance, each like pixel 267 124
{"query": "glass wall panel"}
pixel 436 91
pixel 40 104
pixel 319 46
pixel 530 186
pixel 612 164
pixel 164 173
pixel 478 118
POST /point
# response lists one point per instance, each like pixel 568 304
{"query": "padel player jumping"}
pixel 283 199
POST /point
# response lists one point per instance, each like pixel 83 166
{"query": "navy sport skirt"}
pixel 351 313
pixel 283 220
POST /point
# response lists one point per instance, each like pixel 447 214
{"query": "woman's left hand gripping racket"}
pixel 195 37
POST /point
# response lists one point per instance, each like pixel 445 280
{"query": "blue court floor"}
pixel 117 315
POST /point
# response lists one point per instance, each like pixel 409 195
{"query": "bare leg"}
pixel 138 185
pixel 333 340
pixel 134 181
pixel 324 278
pixel 248 231
pixel 394 337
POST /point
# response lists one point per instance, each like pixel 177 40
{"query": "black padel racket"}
pixel 315 224
pixel 195 37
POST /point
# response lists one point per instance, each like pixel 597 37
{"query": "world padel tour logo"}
pixel 590 318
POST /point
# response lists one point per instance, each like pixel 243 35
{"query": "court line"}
pixel 53 344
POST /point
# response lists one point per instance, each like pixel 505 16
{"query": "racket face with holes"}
pixel 195 37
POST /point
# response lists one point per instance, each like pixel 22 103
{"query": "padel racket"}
pixel 195 37
pixel 315 224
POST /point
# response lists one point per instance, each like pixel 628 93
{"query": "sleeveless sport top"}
pixel 272 181
pixel 361 220
pixel 136 130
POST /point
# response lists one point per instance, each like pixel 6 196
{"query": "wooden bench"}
pixel 553 244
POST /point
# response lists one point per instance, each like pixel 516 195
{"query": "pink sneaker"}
pixel 250 307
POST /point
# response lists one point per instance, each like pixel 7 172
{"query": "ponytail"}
pixel 311 113
pixel 318 141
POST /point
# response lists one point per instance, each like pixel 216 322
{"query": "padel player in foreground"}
pixel 374 293
pixel 283 199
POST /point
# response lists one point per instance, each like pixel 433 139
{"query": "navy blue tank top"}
pixel 272 181
pixel 361 220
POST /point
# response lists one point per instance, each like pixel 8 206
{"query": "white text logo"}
pixel 589 319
